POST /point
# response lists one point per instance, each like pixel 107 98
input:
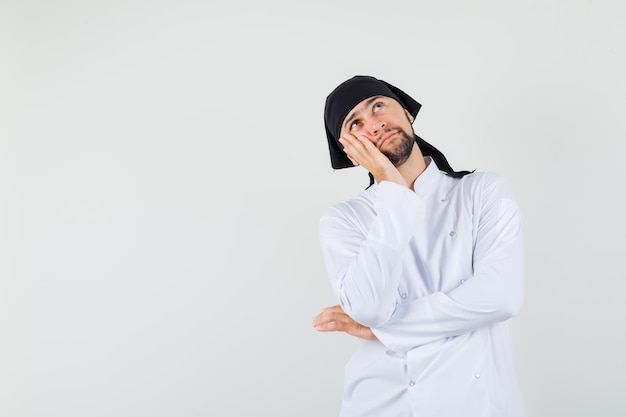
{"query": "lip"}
pixel 387 138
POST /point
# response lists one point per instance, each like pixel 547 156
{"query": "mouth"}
pixel 386 138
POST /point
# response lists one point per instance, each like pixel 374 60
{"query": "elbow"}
pixel 371 314
pixel 515 307
pixel 508 297
pixel 368 303
pixel 516 297
pixel 508 312
pixel 370 318
pixel 511 306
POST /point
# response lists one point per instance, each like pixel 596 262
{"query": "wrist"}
pixel 390 176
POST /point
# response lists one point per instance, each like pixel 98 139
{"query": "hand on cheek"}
pixel 363 152
pixel 348 142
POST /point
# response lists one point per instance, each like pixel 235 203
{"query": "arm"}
pixel 493 293
pixel 364 265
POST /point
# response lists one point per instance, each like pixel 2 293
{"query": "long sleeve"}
pixel 363 259
pixel 491 293
pixel 436 272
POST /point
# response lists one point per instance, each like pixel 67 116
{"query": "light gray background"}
pixel 163 167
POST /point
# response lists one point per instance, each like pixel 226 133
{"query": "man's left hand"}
pixel 334 319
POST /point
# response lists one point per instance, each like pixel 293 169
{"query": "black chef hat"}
pixel 350 93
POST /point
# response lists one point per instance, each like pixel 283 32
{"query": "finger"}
pixel 346 140
pixel 362 150
pixel 368 144
pixel 331 314
pixel 348 154
pixel 334 319
pixel 333 326
pixel 353 148
pixel 348 137
pixel 362 139
pixel 327 316
pixel 350 141
pixel 347 326
pixel 331 311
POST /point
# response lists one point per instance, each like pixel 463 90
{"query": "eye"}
pixel 354 124
pixel 377 106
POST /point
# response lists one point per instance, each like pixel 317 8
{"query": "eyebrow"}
pixel 356 113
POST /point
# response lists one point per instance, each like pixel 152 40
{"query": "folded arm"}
pixel 364 268
pixel 492 293
pixel 365 265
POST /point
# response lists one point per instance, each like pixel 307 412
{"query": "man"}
pixel 427 264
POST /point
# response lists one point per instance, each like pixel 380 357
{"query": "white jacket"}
pixel 437 274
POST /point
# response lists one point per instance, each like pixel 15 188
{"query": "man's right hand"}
pixel 362 151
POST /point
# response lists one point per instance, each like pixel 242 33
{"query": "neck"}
pixel 413 166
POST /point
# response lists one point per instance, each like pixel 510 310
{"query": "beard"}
pixel 401 152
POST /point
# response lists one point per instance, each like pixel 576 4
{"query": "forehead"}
pixel 363 105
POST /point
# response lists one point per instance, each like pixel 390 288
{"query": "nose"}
pixel 375 126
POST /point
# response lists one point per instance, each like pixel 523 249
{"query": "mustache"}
pixel 386 132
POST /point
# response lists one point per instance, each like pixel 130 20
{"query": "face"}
pixel 384 122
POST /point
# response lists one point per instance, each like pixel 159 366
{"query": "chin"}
pixel 402 151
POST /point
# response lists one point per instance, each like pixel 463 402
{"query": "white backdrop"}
pixel 163 167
